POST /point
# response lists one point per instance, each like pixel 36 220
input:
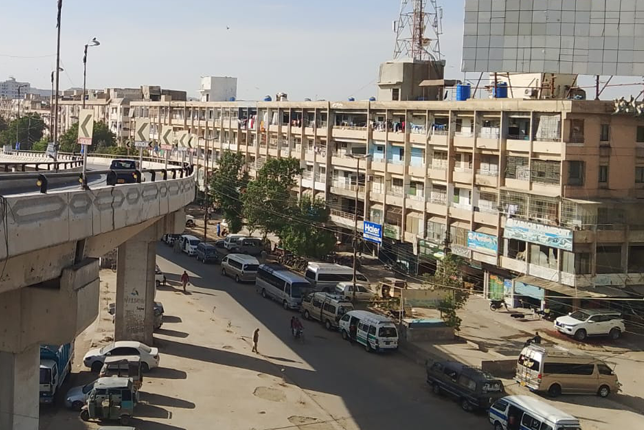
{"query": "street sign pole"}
pixel 141 137
pixel 167 155
pixel 85 132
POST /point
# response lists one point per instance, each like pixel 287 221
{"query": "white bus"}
pixel 325 276
pixel 278 283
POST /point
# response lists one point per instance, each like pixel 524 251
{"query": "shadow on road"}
pixel 166 373
pixel 161 400
pixel 171 319
pixel 173 333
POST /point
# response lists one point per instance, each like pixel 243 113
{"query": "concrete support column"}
pixel 135 287
pixel 19 389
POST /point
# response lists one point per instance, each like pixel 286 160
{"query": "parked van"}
pixel 240 267
pixel 556 372
pixel 206 252
pixel 473 388
pixel 231 240
pixel 325 307
pixel 189 244
pixel 281 285
pixel 247 245
pixel 526 412
pixel 325 276
pixel 375 332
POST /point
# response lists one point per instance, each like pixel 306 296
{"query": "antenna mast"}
pixel 413 21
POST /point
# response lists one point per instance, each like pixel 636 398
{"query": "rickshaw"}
pixel 126 366
pixel 110 399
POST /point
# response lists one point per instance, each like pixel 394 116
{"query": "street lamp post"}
pixel 55 137
pixel 18 116
pixel 355 218
pixel 93 42
pixel 51 105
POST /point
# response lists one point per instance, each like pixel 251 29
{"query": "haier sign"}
pixel 372 232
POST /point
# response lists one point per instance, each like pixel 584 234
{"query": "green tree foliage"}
pixel 268 198
pixel 102 139
pixel 305 235
pixel 226 186
pixel 3 124
pixel 448 279
pixel 41 145
pixel 30 130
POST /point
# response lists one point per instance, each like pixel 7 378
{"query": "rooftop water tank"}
pixel 372 99
pixel 268 99
pixel 463 92
pixel 501 90
pixel 232 99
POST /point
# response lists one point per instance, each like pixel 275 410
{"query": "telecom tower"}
pixel 415 18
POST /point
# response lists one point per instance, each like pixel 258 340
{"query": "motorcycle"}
pixel 498 304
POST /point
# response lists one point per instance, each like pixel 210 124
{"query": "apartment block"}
pixel 541 198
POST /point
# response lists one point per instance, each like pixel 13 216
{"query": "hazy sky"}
pixel 327 49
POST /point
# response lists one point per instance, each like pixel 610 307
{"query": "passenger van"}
pixel 325 307
pixel 375 332
pixel 189 244
pixel 243 268
pixel 247 245
pixel 325 276
pixel 278 283
pixel 473 388
pixel 526 412
pixel 206 252
pixel 231 240
pixel 555 372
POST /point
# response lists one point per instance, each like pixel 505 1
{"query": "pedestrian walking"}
pixel 218 229
pixel 184 280
pixel 177 245
pixel 255 340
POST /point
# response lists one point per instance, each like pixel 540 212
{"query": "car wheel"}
pixel 145 368
pixel 436 389
pixel 84 415
pixel 345 336
pixel 580 334
pixel 603 391
pixel 466 405
pixel 307 315
pixel 263 293
pixel 285 304
pixel 237 279
pixel 223 272
pixel 96 366
pixel 498 426
pixel 367 347
pixel 158 284
pixel 615 333
pixel 554 390
pixel 327 325
pixel 77 406
pixel 124 419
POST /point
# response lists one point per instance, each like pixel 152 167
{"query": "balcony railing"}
pixel 395 161
pixel 347 186
pixel 436 132
pixel 487 207
pixel 351 127
pixel 440 199
pixel 489 134
pixel 438 166
pixel 343 214
pixel 573 139
pixel 397 191
pixel 494 173
pixel 464 134
pixel 418 197
pixel 463 169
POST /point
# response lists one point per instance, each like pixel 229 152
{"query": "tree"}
pixel 30 129
pixel 102 138
pixel 41 145
pixel 448 279
pixel 227 183
pixel 305 234
pixel 268 198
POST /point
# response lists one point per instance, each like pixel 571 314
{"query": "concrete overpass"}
pixel 49 275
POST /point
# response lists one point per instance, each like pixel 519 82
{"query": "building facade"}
pixel 12 89
pixel 218 88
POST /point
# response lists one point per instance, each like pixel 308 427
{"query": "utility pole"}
pixel 355 220
pixel 18 118
pixel 55 137
pixel 205 184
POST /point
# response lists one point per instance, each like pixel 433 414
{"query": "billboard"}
pixel 587 37
pixel 372 232
pixel 555 237
pixel 481 242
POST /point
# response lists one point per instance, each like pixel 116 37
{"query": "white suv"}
pixel 592 322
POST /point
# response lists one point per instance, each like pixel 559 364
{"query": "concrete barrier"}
pixel 29 185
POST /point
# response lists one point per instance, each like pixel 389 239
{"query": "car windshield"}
pixel 252 242
pixel 87 388
pixel 251 267
pixel 580 315
pixel 529 362
pixel 298 288
pixel 344 309
pixel 123 164
pixel 104 349
pixel 387 332
pixel 45 377
pixel 145 348
pixel 361 289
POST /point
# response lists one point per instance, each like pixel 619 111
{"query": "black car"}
pixel 125 171
pixel 472 387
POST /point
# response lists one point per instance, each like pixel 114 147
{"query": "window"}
pixel 639 175
pixel 500 405
pixel 310 274
pixel 568 369
pixel 604 370
pixel 451 374
pixel 577 131
pixel 517 168
pixel 317 303
pixel 466 382
pixel 603 174
pixel 530 423
pixel 395 94
pixel 372 330
pixel 640 133
pixel 543 256
pixel 287 290
pixel 609 259
pixel 636 259
pixel 329 308
pixel 575 173
pixel 604 133
pixel 346 318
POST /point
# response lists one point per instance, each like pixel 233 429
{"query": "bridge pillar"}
pixel 19 389
pixel 135 286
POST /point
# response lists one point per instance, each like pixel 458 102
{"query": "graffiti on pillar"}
pixel 134 312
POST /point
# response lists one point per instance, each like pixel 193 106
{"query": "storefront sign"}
pixel 430 249
pixel 528 290
pixel 481 242
pixel 546 235
pixel 372 232
pixel 392 231
pixel 496 288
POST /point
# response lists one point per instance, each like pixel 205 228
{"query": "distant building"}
pixel 399 80
pixel 218 89
pixel 10 89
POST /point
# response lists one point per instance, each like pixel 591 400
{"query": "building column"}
pixel 135 287
pixel 19 389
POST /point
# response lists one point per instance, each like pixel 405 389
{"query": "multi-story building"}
pixel 218 88
pixel 12 89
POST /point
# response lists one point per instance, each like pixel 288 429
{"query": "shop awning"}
pixel 554 286
pixel 602 291
pixel 486 230
pixel 460 224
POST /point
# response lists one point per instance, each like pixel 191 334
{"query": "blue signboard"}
pixel 555 237
pixel 372 232
pixel 481 242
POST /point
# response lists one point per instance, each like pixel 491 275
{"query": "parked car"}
pixel 374 331
pixel 124 170
pixel 169 239
pixel 591 322
pixel 473 388
pixel 231 240
pixel 189 244
pixel 76 397
pixel 149 356
pixel 159 277
pixel 247 245
pixel 190 221
pixel 206 253
pixel 363 293
pixel 243 268
pixel 325 307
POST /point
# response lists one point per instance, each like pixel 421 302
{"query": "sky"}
pixel 320 49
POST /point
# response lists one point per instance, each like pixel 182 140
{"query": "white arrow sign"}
pixel 85 126
pixel 167 137
pixel 182 137
pixel 142 134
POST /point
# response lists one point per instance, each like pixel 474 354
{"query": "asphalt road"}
pixel 358 389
